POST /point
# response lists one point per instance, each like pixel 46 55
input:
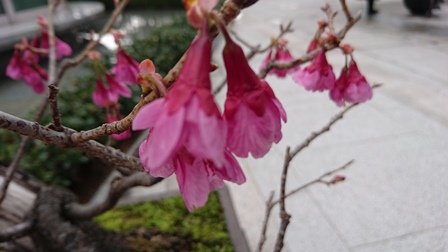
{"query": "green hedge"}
pixel 165 45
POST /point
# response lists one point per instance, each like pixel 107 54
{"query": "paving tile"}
pixel 434 240
pixel 396 186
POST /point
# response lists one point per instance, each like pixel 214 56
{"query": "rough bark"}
pixel 52 231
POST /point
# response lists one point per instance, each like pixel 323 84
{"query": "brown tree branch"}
pixel 62 139
pixel 16 231
pixel 118 187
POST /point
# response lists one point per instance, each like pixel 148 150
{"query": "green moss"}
pixel 205 227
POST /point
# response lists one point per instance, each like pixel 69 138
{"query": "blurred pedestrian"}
pixel 370 8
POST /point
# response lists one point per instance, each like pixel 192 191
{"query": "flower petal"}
pixel 193 183
pixel 148 115
pixel 164 140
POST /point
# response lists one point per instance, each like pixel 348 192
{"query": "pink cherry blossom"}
pixel 279 53
pixel 197 177
pixel 117 88
pixel 62 48
pixel 102 97
pixel 13 70
pixel 32 74
pixel 126 68
pixel 318 76
pixel 33 78
pixel 351 86
pixel 188 116
pixel 252 111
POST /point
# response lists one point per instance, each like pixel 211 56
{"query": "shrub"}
pixel 165 45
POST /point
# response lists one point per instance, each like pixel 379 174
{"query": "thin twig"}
pixel 19 154
pixel 267 214
pixel 254 50
pixel 330 15
pixel 13 166
pixel 332 44
pixel 16 231
pixel 317 180
pixel 53 95
pixel 316 134
pixel 284 216
pixel 347 13
pixel 68 63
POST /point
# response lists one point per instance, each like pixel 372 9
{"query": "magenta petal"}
pixel 164 140
pixel 118 88
pixel 101 95
pixel 232 170
pixel 163 171
pixel 32 78
pixel 193 183
pixel 207 133
pixel 148 115
pixel 14 67
pixel 251 133
pixel 62 48
pixel 307 79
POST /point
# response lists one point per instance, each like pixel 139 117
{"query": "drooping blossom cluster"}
pixel 280 53
pixel 126 67
pixel 107 96
pixel 351 86
pixel 188 134
pixel 123 73
pixel 25 61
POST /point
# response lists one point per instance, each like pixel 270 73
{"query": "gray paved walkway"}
pixel 395 196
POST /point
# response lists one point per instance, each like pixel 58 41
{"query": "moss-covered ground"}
pixel 167 225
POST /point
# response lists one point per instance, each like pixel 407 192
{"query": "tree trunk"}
pixel 53 232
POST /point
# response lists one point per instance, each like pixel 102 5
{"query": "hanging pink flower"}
pixel 102 97
pixel 62 48
pixel 252 111
pixel 318 76
pixel 117 88
pixel 126 68
pixel 188 116
pixel 31 74
pixel 197 177
pixel 351 86
pixel 13 70
pixel 279 53
pixel 338 92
